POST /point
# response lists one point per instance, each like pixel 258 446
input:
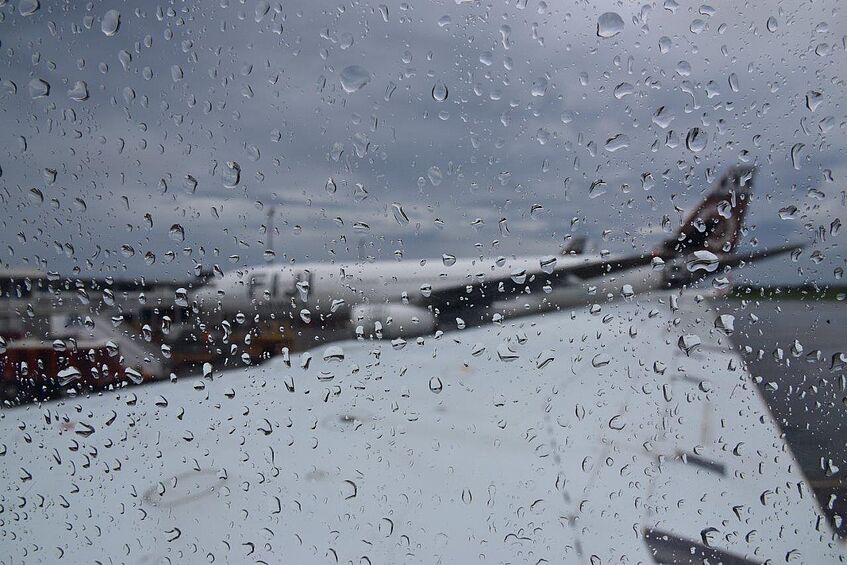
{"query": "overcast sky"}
pixel 455 111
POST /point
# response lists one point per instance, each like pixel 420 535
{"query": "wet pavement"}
pixel 802 386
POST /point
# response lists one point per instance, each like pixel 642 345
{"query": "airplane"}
pixel 389 300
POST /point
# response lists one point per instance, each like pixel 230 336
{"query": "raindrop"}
pixel 772 24
pixel 689 343
pixel 725 323
pixel 539 87
pixel 434 175
pixel 111 23
pixel 795 155
pixel 813 100
pixel 231 174
pixel 399 214
pixel 440 92
pixel 620 141
pixel 79 92
pixel 68 375
pixel 733 82
pixel 354 78
pixel 609 24
pixel 663 117
pixel 177 232
pixel 28 7
pixel 38 88
pixel 189 184
pixel 696 140
pixel 505 353
pixel 435 385
pixel 548 264
pixel 333 353
pixel 623 89
pixel 703 260
pixel 616 423
pixel 600 360
pixel 787 213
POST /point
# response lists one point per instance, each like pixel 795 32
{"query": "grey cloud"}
pixel 241 81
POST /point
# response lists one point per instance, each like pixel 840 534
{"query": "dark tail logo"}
pixel 715 225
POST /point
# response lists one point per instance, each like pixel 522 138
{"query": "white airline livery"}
pixel 390 299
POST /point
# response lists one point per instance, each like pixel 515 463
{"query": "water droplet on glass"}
pixel 609 24
pixel 435 385
pixel 28 7
pixel 434 175
pixel 795 155
pixel 333 353
pixel 399 214
pixel 787 213
pixel 813 100
pixel 111 22
pixel 38 88
pixel 663 117
pixel 703 260
pixel 725 323
pixel 548 264
pixel 79 92
pixel 177 232
pixel 231 174
pixel 696 140
pixel 620 141
pixel 600 360
pixel 440 92
pixel 354 78
pixel 539 87
pixel 506 353
pixel 689 343
pixel 772 24
pixel 733 82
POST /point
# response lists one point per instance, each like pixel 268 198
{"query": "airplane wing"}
pixel 482 291
pixel 479 291
pixel 563 438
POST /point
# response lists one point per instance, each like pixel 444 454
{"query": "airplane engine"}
pixel 389 321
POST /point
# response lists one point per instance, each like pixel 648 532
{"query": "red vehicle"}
pixel 33 370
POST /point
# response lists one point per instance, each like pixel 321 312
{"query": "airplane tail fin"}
pixel 715 225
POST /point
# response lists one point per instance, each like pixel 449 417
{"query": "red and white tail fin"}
pixel 715 225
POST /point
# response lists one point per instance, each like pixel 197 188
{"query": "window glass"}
pixel 516 281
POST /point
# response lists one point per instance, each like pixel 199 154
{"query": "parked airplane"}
pixel 390 299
